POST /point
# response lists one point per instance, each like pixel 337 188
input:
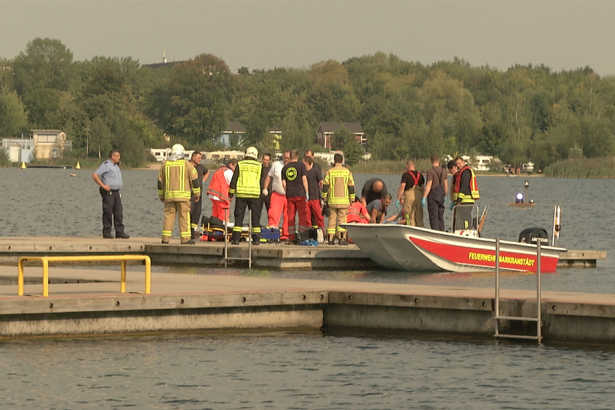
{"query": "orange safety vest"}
pixel 218 185
pixel 473 193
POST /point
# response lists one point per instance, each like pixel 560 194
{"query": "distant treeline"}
pixel 407 109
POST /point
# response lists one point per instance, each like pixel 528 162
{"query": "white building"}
pixel 528 167
pixel 18 149
pixel 50 144
pixel 482 162
pixel 161 154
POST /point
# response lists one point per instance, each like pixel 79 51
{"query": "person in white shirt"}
pixel 277 205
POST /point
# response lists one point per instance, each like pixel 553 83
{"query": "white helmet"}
pixel 252 152
pixel 177 149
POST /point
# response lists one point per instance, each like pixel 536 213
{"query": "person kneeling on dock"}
pixel 178 184
pixel 247 186
pixel 337 192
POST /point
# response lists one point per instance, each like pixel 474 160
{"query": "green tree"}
pixel 194 103
pixel 43 72
pixel 13 118
pixel 352 152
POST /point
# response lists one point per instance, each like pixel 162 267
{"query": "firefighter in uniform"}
pixel 246 186
pixel 337 192
pixel 465 192
pixel 177 185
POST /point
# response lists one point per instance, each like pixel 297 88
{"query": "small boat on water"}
pixel 414 249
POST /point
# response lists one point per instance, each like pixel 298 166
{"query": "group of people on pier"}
pixel 294 193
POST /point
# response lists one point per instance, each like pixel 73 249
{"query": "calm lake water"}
pixel 286 370
pixel 305 371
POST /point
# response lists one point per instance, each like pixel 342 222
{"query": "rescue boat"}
pixel 414 249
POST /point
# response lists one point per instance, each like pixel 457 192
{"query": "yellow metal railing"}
pixel 119 258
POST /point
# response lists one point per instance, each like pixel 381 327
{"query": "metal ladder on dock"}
pixel 227 257
pixel 498 317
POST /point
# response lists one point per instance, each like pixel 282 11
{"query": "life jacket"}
pixel 249 181
pixel 218 185
pixel 355 213
pixel 178 181
pixel 416 177
pixel 338 187
pixel 469 194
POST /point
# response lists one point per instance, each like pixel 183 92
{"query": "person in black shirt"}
pixel 266 199
pixel 197 205
pixel 435 193
pixel 373 189
pixel 295 184
pixel 410 195
pixel 314 178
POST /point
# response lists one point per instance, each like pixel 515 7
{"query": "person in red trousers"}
pixel 295 184
pixel 314 178
pixel 277 204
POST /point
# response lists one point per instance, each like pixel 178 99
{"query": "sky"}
pixel 562 34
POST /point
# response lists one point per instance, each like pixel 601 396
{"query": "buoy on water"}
pixel 77 166
pixel 521 197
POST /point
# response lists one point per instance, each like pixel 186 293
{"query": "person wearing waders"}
pixel 410 194
pixel 435 193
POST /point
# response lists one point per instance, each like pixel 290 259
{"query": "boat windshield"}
pixel 465 217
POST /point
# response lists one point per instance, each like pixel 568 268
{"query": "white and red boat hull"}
pixel 414 249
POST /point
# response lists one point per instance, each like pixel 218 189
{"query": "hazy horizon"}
pixel 563 35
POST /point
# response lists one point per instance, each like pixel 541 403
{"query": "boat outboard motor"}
pixel 533 235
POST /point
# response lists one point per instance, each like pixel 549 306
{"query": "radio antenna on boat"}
pixel 557 224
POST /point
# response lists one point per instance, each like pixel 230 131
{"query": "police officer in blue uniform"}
pixel 109 178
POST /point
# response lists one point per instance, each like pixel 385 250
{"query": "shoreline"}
pixel 358 169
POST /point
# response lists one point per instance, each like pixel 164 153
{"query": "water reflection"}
pixel 290 370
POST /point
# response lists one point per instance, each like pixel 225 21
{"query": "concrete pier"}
pixel 86 301
pixel 270 256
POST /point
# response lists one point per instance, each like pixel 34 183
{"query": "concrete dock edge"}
pixel 468 313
